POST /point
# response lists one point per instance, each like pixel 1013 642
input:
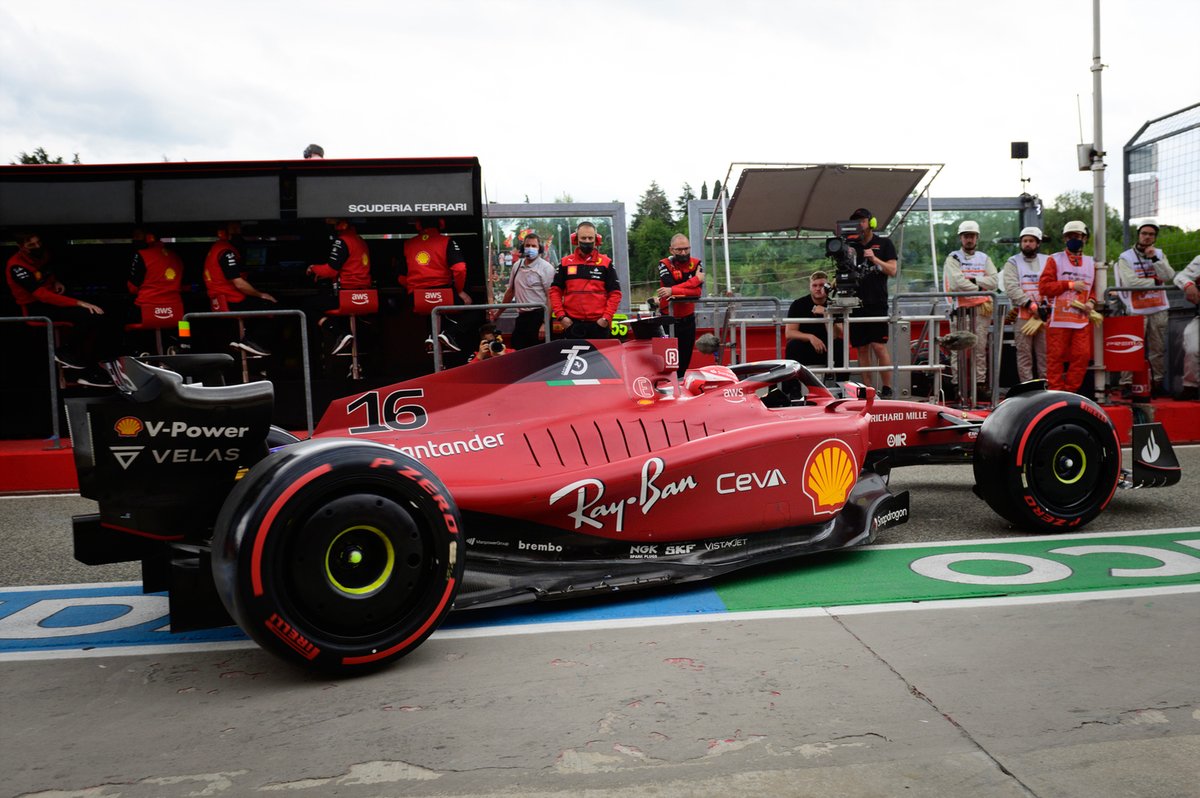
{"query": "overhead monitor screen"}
pixel 201 199
pixel 75 202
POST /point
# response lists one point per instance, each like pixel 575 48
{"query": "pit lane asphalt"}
pixel 1073 698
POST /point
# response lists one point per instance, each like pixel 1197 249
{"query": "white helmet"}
pixel 968 227
pixel 1075 227
pixel 1036 232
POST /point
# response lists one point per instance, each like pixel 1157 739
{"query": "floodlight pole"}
pixel 1099 233
pixel 725 233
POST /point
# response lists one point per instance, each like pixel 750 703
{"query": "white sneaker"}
pixel 344 342
pixel 448 342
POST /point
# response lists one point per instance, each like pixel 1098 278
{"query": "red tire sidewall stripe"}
pixel 1031 425
pixel 433 616
pixel 256 580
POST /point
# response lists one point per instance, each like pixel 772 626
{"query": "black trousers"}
pixel 525 331
pixel 685 332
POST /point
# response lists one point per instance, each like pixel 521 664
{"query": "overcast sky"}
pixel 597 99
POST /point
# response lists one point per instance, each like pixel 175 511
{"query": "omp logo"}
pixel 575 363
pixel 742 483
pixel 1123 343
pixel 125 455
pixel 359 298
pixel 164 313
pixel 829 475
pixel 128 427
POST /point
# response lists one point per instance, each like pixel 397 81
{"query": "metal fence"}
pixel 1162 182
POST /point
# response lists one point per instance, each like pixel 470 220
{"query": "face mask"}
pixel 681 259
pixel 586 247
pixel 531 252
pixel 35 252
pixel 1075 245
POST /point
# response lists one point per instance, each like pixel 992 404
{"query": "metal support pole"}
pixel 435 321
pixel 1099 231
pixel 56 433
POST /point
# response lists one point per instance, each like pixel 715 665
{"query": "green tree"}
pixel 1079 205
pixel 653 205
pixel 40 156
pixel 716 189
pixel 648 244
pixel 685 196
pixel 704 190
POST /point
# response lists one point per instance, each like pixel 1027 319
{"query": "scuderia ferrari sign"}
pixel 440 194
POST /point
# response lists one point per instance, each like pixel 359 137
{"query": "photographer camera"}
pixel 491 343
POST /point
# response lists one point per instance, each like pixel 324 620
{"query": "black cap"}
pixel 861 213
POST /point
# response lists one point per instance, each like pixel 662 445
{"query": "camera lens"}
pixel 496 345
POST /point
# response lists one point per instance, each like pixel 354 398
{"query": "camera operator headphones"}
pixel 863 213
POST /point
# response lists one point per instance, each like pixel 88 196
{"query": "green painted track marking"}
pixel 1046 565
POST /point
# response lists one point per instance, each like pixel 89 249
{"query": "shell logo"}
pixel 423 258
pixel 169 273
pixel 1118 344
pixel 829 475
pixel 128 427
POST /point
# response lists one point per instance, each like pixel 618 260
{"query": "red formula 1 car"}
pixel 568 469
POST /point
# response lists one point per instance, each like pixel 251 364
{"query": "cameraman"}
pixel 491 343
pixel 878 256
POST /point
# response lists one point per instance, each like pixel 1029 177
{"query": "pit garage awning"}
pixel 780 197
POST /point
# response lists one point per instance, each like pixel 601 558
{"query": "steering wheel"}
pixel 764 372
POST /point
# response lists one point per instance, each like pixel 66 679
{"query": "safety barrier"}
pixel 435 318
pixel 56 436
pixel 245 314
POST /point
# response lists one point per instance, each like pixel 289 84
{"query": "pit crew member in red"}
pixel 229 290
pixel 155 273
pixel 1069 281
pixel 434 272
pixel 38 292
pixel 680 276
pixel 585 293
pixel 348 268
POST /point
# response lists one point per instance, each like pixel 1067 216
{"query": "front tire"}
pixel 338 555
pixel 1047 460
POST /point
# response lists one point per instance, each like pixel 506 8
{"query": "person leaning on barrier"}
pixel 585 293
pixel 348 268
pixel 227 286
pixel 1144 266
pixel 680 276
pixel 1069 279
pixel 1020 282
pixel 968 269
pixel 871 338
pixel 432 265
pixel 39 293
pixel 807 344
pixel 529 283
pixel 1188 281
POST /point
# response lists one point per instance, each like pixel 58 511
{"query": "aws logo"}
pixel 829 475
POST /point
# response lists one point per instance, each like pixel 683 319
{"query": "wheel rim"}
pixel 1066 468
pixel 360 560
pixel 356 566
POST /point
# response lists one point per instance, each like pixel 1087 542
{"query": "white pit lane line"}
pixel 504 630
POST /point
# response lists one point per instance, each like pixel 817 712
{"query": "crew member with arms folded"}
pixel 1069 280
pixel 227 286
pixel 1145 266
pixel 681 277
pixel 585 294
pixel 38 292
pixel 968 269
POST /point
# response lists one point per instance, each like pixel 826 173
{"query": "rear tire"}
pixel 338 555
pixel 1047 460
